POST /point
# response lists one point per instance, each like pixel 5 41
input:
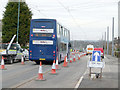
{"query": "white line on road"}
pixel 80 80
pixel 77 85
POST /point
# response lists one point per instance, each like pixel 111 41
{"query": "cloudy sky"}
pixel 86 19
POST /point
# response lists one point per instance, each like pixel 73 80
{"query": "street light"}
pixel 18 20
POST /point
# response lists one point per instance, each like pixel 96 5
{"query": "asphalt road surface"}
pixel 23 76
pixel 73 76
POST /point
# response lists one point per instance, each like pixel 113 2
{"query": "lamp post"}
pixel 113 37
pixel 18 20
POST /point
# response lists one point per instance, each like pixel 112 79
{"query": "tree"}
pixel 10 17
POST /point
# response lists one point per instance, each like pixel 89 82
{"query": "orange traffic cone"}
pixel 40 74
pixel 22 61
pixel 74 58
pixel 66 59
pixel 53 71
pixel 65 63
pixel 3 64
pixel 57 64
pixel 82 55
pixel 72 53
pixel 78 56
pixel 70 59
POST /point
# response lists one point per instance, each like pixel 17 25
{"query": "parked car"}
pixel 100 49
pixel 26 54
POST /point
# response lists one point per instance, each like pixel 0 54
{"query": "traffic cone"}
pixel 66 59
pixel 78 56
pixel 22 61
pixel 53 71
pixel 83 54
pixel 70 59
pixel 65 63
pixel 57 64
pixel 74 58
pixel 72 53
pixel 2 64
pixel 40 74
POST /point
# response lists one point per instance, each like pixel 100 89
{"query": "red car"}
pixel 100 49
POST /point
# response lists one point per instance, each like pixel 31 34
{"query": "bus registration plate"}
pixel 41 58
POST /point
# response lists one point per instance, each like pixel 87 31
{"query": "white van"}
pixel 89 49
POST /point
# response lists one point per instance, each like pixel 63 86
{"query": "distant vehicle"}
pixel 48 39
pixel 100 49
pixel 11 51
pixel 26 54
pixel 89 49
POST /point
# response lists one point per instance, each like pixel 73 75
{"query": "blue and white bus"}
pixel 48 40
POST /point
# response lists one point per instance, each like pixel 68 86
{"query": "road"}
pixel 18 73
pixel 23 76
pixel 73 76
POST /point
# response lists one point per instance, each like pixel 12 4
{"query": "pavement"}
pixel 109 78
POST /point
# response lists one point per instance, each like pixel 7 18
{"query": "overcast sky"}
pixel 86 19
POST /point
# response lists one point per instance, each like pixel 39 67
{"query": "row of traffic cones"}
pixel 3 63
pixel 53 70
pixel 55 66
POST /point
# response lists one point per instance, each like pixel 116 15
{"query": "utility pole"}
pixel 73 42
pixel 18 20
pixel 105 44
pixel 113 37
pixel 102 41
pixel 108 40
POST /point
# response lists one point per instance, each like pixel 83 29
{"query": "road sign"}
pixel 96 60
pixel 96 56
pixel 94 64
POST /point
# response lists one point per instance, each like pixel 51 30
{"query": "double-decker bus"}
pixel 48 40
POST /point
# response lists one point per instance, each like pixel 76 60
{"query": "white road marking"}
pixel 80 80
pixel 104 56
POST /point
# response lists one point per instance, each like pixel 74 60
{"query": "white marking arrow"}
pixel 96 54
